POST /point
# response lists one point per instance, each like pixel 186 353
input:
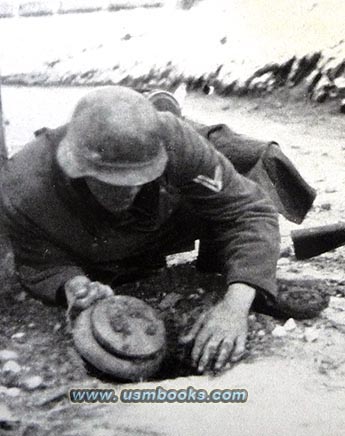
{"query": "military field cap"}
pixel 113 136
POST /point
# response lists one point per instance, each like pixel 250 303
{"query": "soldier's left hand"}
pixel 219 337
pixel 220 334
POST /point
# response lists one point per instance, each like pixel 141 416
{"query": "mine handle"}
pixel 317 240
pixel 3 149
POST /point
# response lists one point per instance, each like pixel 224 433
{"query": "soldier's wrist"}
pixel 240 296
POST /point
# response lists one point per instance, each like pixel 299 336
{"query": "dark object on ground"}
pixel 300 300
pixel 317 240
pixel 122 337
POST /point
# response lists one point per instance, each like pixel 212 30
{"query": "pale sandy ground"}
pixel 285 398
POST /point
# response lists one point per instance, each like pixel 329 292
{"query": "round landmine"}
pixel 127 327
pixel 96 355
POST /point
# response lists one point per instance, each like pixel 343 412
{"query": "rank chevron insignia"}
pixel 215 184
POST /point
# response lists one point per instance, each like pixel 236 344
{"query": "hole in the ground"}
pixel 181 294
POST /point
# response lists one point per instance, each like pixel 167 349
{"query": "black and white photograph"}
pixel 172 231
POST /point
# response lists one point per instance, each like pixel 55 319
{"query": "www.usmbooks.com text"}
pixel 158 395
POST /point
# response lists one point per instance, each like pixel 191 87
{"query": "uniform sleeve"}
pixel 43 267
pixel 240 215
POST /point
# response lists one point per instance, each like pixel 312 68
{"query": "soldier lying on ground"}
pixel 119 188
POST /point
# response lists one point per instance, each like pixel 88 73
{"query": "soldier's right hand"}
pixel 81 292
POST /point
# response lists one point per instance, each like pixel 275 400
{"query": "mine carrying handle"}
pixel 317 240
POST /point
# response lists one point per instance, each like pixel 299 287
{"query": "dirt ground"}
pixel 295 381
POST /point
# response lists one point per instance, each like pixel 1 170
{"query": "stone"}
pixel 286 251
pixel 335 312
pixel 279 332
pixel 339 83
pixel 290 325
pixel 19 335
pixel 322 89
pixel 10 392
pixel 325 206
pixel 32 382
pixel 337 318
pixel 260 82
pixel 311 334
pixel 6 355
pixel 337 303
pixel 8 421
pixel 13 392
pixel 21 297
pixel 312 80
pixel 192 297
pixel 57 327
pixel 170 300
pixel 3 390
pixel 320 96
pixel 261 333
pixel 283 261
pixel 127 37
pixel 330 190
pixel 12 367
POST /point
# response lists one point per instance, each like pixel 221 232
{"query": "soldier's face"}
pixel 113 198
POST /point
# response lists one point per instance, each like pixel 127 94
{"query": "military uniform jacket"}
pixel 58 229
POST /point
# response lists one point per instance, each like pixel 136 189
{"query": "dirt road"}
pixel 295 382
